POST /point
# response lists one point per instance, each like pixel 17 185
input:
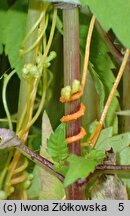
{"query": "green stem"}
pixel 5 84
pixel 28 88
pixel 71 72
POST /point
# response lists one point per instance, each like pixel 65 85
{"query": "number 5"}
pixel 121 207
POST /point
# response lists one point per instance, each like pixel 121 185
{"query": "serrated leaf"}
pixel 103 66
pixel 80 167
pixel 97 155
pixel 45 186
pixel 57 145
pixel 14 34
pixel 112 14
pixel 117 143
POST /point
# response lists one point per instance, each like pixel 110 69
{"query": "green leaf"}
pixel 46 132
pixel 118 143
pixel 57 145
pixel 14 34
pixel 34 190
pixel 103 66
pixel 112 14
pixel 52 188
pixel 80 167
pixel 45 186
pixel 97 155
pixel 3 10
pixel 105 134
pixel 99 87
pixel 91 129
pixel 124 156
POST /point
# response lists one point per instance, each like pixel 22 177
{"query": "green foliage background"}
pixel 111 15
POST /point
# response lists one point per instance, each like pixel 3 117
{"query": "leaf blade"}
pixel 57 145
pixel 116 16
pixel 16 19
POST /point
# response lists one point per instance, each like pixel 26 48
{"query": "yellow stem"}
pixel 30 123
pixel 4 171
pixel 87 52
pixel 50 38
pixel 38 39
pixel 33 28
pixel 22 167
pixel 12 168
pixel 110 97
pixel 19 179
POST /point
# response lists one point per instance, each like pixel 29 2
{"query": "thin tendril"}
pixel 22 118
pixel 87 52
pixel 38 39
pixel 19 179
pixel 6 81
pixel 50 38
pixel 6 120
pixel 38 111
pixel 22 167
pixel 5 168
pixel 33 28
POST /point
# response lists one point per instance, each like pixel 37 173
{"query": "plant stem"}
pixel 110 97
pixel 71 72
pixel 5 84
pixel 38 159
pixel 28 88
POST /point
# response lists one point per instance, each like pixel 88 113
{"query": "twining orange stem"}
pixel 74 97
pixel 85 67
pixel 78 95
pixel 110 97
pixel 75 115
pixel 77 137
